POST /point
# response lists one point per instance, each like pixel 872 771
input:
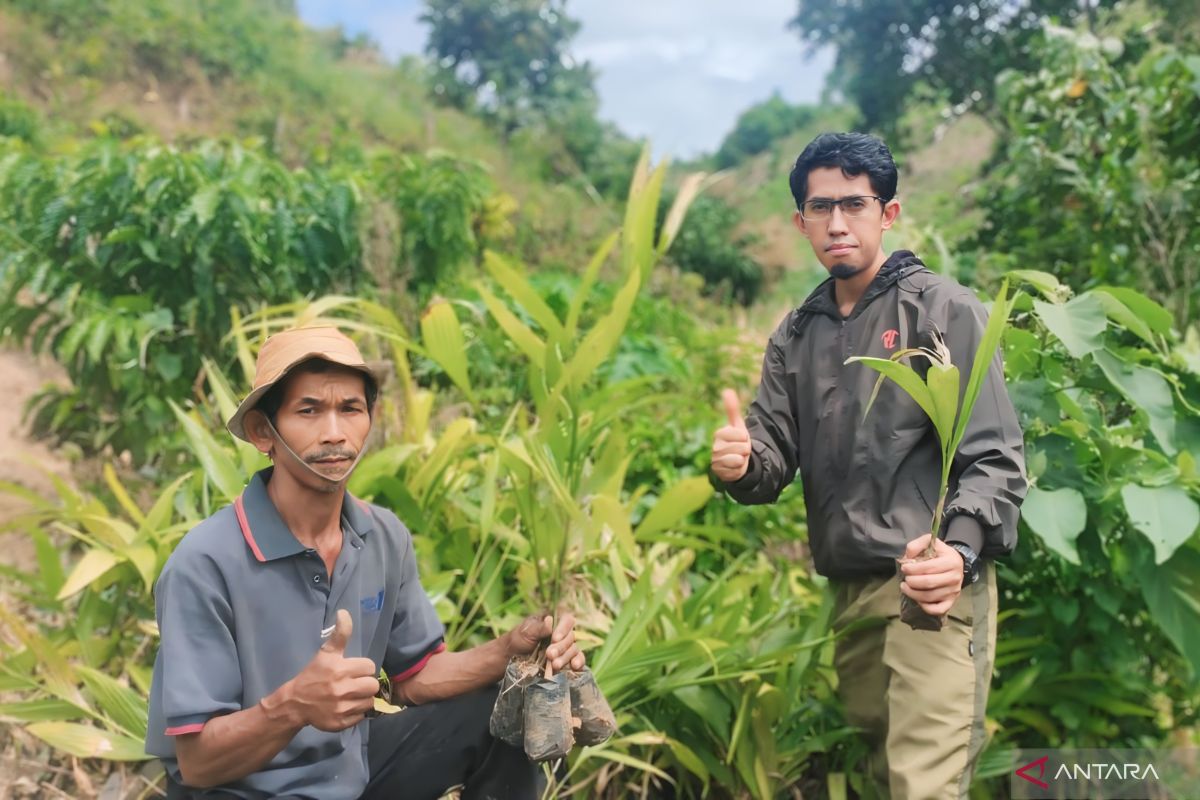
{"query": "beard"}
pixel 844 271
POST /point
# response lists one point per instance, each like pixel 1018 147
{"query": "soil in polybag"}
pixel 508 715
pixel 548 719
pixel 595 718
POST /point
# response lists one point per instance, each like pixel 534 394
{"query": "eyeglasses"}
pixel 854 206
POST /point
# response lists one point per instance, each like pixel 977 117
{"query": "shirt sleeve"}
pixel 416 632
pixel 200 674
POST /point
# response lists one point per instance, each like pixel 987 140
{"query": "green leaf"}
pixel 525 339
pixel 1044 282
pixel 1057 517
pixel 1150 313
pixel 675 504
pixel 1172 592
pixel 906 378
pixel 204 203
pixel 94 564
pixel 85 741
pixel 46 709
pixel 985 352
pixel 589 279
pixel 523 292
pixel 1146 389
pixel 443 340
pixel 121 704
pixel 1165 515
pixel 217 462
pixel 1078 323
pixel 1124 316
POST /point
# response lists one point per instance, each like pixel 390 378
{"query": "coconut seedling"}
pixel 938 395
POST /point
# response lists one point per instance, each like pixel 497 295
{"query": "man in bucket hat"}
pixel 277 613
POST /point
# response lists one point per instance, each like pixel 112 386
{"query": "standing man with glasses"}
pixel 871 480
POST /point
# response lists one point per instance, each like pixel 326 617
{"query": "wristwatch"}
pixel 970 562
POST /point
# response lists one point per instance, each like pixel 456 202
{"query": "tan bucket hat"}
pixel 284 351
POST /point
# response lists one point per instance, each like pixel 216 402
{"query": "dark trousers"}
pixel 421 752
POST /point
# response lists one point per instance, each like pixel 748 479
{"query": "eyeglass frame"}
pixel 838 204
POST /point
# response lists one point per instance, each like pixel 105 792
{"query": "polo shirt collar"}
pixel 265 532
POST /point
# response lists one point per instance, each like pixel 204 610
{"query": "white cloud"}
pixel 676 71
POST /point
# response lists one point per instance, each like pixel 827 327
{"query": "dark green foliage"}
pixel 507 59
pixel 125 261
pixel 1099 179
pixel 712 245
pixel 19 120
pixel 759 126
pixel 886 49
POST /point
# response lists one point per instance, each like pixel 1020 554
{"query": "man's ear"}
pixel 258 432
pixel 891 212
pixel 798 221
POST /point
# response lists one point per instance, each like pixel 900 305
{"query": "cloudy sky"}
pixel 676 71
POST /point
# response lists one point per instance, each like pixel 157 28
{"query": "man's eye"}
pixel 307 410
pixel 818 208
pixel 855 203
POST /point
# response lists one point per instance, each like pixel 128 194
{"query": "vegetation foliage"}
pixel 547 431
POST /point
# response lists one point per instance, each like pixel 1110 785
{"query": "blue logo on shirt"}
pixel 374 603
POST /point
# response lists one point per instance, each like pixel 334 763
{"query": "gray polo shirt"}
pixel 241 605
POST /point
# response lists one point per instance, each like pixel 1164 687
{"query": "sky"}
pixel 676 71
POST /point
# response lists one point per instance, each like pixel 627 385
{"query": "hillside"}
pixel 250 68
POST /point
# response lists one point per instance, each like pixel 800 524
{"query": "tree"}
pixel 506 58
pixel 759 126
pixel 886 49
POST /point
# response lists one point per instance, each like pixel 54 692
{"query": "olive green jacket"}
pixel 871 482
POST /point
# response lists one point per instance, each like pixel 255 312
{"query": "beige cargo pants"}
pixel 919 696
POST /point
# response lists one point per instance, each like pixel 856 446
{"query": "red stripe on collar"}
pixel 244 524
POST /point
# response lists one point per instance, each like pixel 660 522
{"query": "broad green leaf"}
pixel 85 741
pixel 1044 282
pixel 94 564
pixel 1078 324
pixel 675 504
pixel 145 560
pixel 1165 515
pixel 525 339
pixel 47 709
pixel 443 340
pixel 1123 315
pixel 1153 315
pixel 1172 592
pixel 1058 517
pixel 122 705
pixel 386 461
pixel 905 377
pixel 944 386
pixel 219 467
pixel 1146 389
pixel 519 288
pixel 204 203
pixel 636 613
pixel 57 674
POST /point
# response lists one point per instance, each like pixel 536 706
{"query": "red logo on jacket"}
pixel 889 338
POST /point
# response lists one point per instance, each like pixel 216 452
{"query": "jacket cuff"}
pixel 965 529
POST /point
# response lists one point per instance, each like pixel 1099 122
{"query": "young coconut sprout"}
pixel 938 396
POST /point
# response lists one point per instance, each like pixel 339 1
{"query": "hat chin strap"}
pixel 330 484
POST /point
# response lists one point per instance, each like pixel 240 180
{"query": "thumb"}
pixel 341 633
pixel 733 408
pixel 916 546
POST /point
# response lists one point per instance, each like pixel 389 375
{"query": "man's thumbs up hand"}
pixel 333 692
pixel 731 443
pixel 342 630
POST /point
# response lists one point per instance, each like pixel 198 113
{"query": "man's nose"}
pixel 332 430
pixel 837 224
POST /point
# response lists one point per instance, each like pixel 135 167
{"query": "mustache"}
pixel 333 452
